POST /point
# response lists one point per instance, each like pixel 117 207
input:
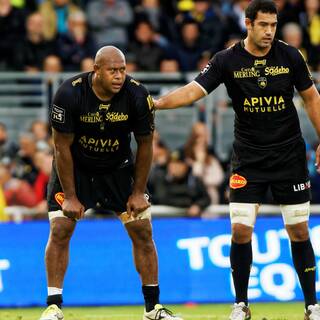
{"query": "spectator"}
pixel 292 34
pixel 204 60
pixel 131 63
pixel 12 30
pixel 235 19
pixel 8 149
pixel 32 51
pixel 76 44
pixel 145 49
pixel 52 64
pixel 55 14
pixel 161 153
pixel 29 6
pixel 40 131
pixel 169 66
pixel 161 156
pixel 152 10
pixel 205 165
pixel 109 20
pixel 286 13
pixel 86 64
pixel 180 188
pixel 43 163
pixel 25 168
pixel 211 23
pixel 310 21
pixel 17 192
pixel 190 46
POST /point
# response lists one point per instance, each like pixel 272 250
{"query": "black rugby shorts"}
pixel 282 169
pixel 103 192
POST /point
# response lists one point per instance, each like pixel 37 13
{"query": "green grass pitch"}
pixel 260 311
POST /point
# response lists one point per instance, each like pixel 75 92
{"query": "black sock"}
pixel 304 262
pixel 241 260
pixel 151 296
pixel 55 299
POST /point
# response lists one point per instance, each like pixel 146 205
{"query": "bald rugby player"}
pixel 92 116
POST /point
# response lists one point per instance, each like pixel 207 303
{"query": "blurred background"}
pixel 166 44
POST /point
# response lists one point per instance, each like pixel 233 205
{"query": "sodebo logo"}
pixel 269 275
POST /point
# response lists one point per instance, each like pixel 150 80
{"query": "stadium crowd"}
pixel 156 35
pixel 165 36
pixel 191 177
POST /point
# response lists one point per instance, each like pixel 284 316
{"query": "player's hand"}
pixel 155 103
pixel 72 208
pixel 318 159
pixel 137 203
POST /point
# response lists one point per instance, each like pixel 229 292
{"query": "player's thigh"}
pixel 245 189
pixel 85 192
pixel 294 193
pixel 291 192
pixel 292 185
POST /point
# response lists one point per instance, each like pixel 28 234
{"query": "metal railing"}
pixel 25 97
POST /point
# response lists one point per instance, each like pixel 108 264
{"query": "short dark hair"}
pixel 265 6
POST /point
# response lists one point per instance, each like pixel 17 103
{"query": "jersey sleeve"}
pixel 302 76
pixel 211 76
pixel 143 122
pixel 62 113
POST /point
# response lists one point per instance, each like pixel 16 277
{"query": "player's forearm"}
pixel 64 163
pixel 142 164
pixel 183 96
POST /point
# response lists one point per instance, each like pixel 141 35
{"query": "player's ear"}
pixel 249 23
pixel 95 67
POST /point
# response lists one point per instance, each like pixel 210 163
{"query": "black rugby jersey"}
pixel 102 129
pixel 261 89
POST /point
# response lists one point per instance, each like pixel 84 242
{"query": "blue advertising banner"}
pixel 193 259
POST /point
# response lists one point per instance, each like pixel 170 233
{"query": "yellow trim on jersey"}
pixel 75 82
pixel 135 82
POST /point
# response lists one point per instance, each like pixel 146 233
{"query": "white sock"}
pixel 53 291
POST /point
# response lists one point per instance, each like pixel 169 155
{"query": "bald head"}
pixel 109 72
pixel 108 54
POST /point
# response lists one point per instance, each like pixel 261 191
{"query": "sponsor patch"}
pixel 260 63
pixel 236 181
pixel 59 197
pixel 57 114
pixel 206 68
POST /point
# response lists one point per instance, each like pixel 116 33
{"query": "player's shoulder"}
pixel 135 88
pixel 75 83
pixel 285 48
pixel 228 53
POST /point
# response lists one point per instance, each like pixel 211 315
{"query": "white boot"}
pixel 312 313
pixel 53 312
pixel 240 312
pixel 159 313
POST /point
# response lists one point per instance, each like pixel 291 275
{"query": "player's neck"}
pixel 99 92
pixel 255 50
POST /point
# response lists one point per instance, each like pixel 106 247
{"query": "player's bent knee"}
pixel 243 213
pixel 295 213
pixel 126 218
